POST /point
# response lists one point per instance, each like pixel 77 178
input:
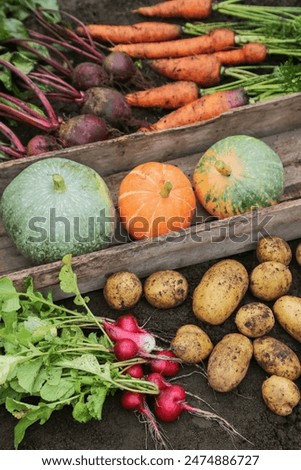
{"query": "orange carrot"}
pixel 169 96
pixel 217 40
pixel 251 53
pixel 207 107
pixel 151 31
pixel 192 9
pixel 204 69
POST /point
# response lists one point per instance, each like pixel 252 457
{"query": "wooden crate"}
pixel 277 122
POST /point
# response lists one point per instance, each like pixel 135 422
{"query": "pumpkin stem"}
pixel 59 183
pixel 166 188
pixel 223 168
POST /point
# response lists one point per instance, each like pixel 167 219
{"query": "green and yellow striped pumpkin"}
pixel 237 174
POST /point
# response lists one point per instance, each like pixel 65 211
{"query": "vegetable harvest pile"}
pixel 110 71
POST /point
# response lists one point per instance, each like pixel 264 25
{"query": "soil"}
pixel 243 407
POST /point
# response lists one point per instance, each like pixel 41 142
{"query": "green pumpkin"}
pixel 237 174
pixel 57 206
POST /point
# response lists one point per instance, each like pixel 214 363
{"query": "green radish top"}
pixel 57 206
pixel 237 174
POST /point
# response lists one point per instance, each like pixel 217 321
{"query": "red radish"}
pixel 41 144
pixel 166 367
pixel 89 74
pixel 144 340
pixel 157 379
pixel 119 66
pixel 125 349
pixel 172 401
pixel 128 322
pixel 135 401
pixel 135 371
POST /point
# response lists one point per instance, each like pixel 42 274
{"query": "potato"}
pixel 287 311
pixel 122 290
pixel 280 395
pixel 221 289
pixel 254 319
pixel 298 254
pixel 166 289
pixel 273 249
pixel 270 280
pixel 276 358
pixel 191 344
pixel 229 362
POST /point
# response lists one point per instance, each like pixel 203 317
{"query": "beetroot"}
pixel 41 144
pixel 108 104
pixel 119 66
pixel 88 75
pixel 81 130
pixel 166 367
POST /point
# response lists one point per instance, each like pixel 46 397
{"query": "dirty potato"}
pixel 122 290
pixel 221 289
pixel 270 280
pixel 276 358
pixel 280 395
pixel 254 319
pixel 166 289
pixel 298 254
pixel 273 249
pixel 191 344
pixel 229 362
pixel 287 311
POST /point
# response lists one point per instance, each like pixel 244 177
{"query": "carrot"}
pixel 202 109
pixel 168 96
pixel 192 9
pixel 216 40
pixel 151 31
pixel 204 69
pixel 251 53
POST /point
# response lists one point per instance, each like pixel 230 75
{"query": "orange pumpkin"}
pixel 155 199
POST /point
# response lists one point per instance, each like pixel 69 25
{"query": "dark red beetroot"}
pixel 88 75
pixel 81 130
pixel 108 104
pixel 41 144
pixel 119 66
pixel 167 367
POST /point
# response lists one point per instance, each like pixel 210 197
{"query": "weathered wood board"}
pixel 277 122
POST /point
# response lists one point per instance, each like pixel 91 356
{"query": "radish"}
pixel 135 401
pixel 128 322
pixel 125 349
pixel 144 340
pixel 88 75
pixel 171 402
pixel 167 367
pixel 157 379
pixel 119 66
pixel 135 371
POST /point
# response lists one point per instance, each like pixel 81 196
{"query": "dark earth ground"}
pixel 243 407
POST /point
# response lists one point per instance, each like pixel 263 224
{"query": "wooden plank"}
pixel 203 242
pixel 123 153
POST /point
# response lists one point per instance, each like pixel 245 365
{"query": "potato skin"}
pixel 273 249
pixel 191 344
pixel 220 291
pixel 166 289
pixel 254 319
pixel 229 362
pixel 270 280
pixel 276 358
pixel 280 395
pixel 298 254
pixel 122 290
pixel 287 310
